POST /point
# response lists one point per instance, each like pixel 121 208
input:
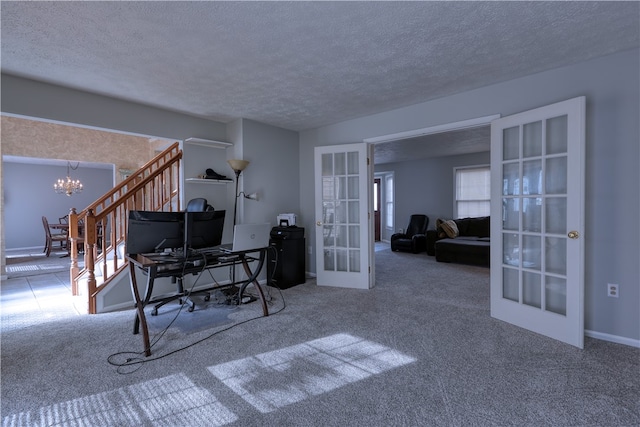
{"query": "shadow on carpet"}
pixel 207 315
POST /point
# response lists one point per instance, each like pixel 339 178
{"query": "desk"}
pixel 156 266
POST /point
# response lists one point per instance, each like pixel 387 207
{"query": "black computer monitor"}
pixel 149 231
pixel 203 229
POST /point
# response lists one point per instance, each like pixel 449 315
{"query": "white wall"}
pixel 612 86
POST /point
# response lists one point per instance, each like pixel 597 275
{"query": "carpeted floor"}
pixel 420 349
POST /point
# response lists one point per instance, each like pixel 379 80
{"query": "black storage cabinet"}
pixel 285 257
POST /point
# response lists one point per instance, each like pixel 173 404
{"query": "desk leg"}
pixel 140 319
pixel 253 277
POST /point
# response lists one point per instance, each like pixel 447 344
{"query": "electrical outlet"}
pixel 310 250
pixel 612 290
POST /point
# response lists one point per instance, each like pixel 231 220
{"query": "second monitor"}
pixel 150 231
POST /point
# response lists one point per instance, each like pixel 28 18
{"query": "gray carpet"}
pixel 420 349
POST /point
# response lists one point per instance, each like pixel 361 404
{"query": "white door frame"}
pixel 431 130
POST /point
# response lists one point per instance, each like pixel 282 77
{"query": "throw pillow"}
pixel 450 228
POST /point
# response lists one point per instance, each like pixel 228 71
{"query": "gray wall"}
pixel 273 172
pixel 611 85
pixel 36 99
pixel 426 186
pixel 28 195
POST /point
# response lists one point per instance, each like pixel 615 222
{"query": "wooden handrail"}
pixel 155 186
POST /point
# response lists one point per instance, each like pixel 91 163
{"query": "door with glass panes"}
pixel 537 220
pixel 344 220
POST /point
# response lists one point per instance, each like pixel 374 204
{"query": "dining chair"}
pixel 57 236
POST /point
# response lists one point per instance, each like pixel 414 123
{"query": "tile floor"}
pixel 29 300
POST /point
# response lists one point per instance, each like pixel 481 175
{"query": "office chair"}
pixel 199 204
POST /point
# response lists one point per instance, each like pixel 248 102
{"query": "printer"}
pixel 286 220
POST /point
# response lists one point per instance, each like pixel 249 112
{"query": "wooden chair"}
pixel 59 235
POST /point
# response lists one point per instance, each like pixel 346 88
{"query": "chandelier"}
pixel 68 186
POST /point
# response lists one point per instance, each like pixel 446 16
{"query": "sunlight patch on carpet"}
pixel 305 370
pixel 169 401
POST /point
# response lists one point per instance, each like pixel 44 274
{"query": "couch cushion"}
pixel 464 250
pixel 479 227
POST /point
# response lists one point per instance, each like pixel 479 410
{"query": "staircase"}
pixel 154 187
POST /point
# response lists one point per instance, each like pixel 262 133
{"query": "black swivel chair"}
pixel 414 239
pixel 199 204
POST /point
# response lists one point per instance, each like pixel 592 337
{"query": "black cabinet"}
pixel 285 257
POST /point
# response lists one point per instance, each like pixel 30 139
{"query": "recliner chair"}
pixel 414 239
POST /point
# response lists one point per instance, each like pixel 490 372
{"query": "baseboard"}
pixel 29 248
pixel 612 338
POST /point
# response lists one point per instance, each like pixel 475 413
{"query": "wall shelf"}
pixel 208 143
pixel 208 181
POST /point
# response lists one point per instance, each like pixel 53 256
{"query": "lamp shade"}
pixel 238 165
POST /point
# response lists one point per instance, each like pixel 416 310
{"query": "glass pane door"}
pixel 343 229
pixel 537 220
pixel 534 195
pixel 340 209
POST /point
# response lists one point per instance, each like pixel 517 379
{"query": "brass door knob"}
pixel 573 234
pixel 318 223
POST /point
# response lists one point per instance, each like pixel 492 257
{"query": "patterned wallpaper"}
pixel 30 138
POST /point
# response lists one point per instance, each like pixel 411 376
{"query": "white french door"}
pixel 537 220
pixel 344 219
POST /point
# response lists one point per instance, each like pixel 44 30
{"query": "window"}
pixel 388 200
pixel 473 191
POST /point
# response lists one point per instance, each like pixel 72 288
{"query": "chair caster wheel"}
pixel 154 312
pixel 190 309
pixel 207 297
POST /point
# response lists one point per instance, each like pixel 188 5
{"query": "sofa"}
pixel 465 241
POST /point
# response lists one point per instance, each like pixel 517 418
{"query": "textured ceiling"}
pixel 464 141
pixel 300 65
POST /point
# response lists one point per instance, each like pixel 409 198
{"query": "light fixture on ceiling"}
pixel 68 186
pixel 238 166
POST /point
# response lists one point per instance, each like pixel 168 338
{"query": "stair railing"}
pixel 101 228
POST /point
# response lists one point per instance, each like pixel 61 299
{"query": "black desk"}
pixel 156 266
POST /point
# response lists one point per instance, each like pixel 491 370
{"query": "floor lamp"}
pixel 238 166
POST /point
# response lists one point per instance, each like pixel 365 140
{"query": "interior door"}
pixel 537 220
pixel 344 227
